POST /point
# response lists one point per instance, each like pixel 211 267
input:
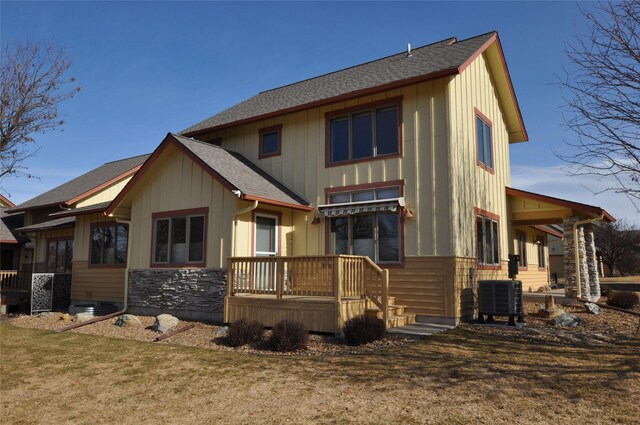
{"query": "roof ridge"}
pixel 357 65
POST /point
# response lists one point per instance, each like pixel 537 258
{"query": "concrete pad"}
pixel 420 329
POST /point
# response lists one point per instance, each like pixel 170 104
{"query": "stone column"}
pixel 584 269
pixel 569 257
pixel 592 264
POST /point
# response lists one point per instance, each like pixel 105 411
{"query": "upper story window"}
pixel 363 133
pixel 484 141
pixel 488 241
pixel 109 243
pixel 179 238
pixel 59 255
pixel 522 249
pixel 270 141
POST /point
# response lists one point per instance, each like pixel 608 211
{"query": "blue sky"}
pixel 147 68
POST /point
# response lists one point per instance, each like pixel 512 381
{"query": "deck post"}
pixel 230 273
pixel 279 277
pixel 337 277
pixel 385 297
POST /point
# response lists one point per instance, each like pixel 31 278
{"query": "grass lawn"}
pixel 454 378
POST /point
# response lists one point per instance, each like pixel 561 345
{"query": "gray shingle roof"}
pixel 82 210
pixel 8 222
pixel 83 184
pixel 437 57
pixel 51 224
pixel 240 173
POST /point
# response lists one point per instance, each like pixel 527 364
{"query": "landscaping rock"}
pixel 45 314
pixel 567 320
pixel 164 323
pixel 66 317
pixel 592 308
pixel 551 313
pixel 83 317
pixel 222 332
pixel 127 321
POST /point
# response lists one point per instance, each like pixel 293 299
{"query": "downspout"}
pixel 235 221
pixel 575 250
pixel 126 270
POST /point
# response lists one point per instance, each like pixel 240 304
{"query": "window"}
pixel 488 241
pixel 522 249
pixel 483 137
pixel 542 263
pixel 270 141
pixel 364 134
pixel 179 239
pixel 375 234
pixel 59 255
pixel 109 243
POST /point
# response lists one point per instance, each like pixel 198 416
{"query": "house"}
pixel 383 189
pixel 382 184
pixel 54 223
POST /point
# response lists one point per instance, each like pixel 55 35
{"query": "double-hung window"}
pixel 484 141
pixel 59 255
pixel 374 234
pixel 488 241
pixel 363 133
pixel 179 239
pixel 542 260
pixel 109 242
pixel 522 249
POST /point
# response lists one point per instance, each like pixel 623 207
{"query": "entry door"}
pixel 265 245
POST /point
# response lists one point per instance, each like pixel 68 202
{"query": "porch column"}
pixel 592 264
pixel 569 257
pixel 584 268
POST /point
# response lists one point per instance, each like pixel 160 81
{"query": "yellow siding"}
pixel 533 277
pixel 424 165
pixel 472 186
pixel 104 195
pixel 176 183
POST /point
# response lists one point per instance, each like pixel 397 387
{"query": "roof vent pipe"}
pixel 409 50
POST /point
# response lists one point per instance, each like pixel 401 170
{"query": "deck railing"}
pixel 13 280
pixel 336 276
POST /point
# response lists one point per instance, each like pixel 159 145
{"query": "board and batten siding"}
pixel 533 276
pixel 104 195
pixel 423 165
pixel 177 183
pixel 471 185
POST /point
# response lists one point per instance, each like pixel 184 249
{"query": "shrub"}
pixel 623 299
pixel 363 330
pixel 288 335
pixel 244 331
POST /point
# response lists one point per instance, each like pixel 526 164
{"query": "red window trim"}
pixel 391 101
pixel 365 186
pixel 106 266
pixel 478 212
pixel 269 130
pixel 483 117
pixel 174 214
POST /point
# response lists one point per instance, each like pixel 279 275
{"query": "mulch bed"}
pixel 611 327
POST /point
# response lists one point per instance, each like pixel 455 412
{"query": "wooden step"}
pixel 370 304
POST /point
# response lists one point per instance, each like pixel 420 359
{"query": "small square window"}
pixel 270 141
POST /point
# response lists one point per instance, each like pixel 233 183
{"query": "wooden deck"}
pixel 322 292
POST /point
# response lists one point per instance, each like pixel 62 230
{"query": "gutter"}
pixel 575 250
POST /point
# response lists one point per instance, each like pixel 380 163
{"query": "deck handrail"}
pixel 336 276
pixel 13 280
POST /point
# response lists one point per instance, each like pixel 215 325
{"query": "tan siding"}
pixel 97 284
pixel 472 185
pixel 104 195
pixel 532 278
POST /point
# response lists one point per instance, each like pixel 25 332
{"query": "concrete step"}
pixel 419 329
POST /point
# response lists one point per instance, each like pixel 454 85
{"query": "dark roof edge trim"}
pixel 548 231
pixel 277 203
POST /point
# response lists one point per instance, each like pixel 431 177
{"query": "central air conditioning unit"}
pixel 500 298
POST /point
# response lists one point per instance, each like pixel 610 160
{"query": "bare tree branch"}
pixel 602 98
pixel 33 86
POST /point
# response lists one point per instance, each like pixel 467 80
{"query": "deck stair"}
pixel 397 315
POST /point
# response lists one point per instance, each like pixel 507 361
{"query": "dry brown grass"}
pixel 452 378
